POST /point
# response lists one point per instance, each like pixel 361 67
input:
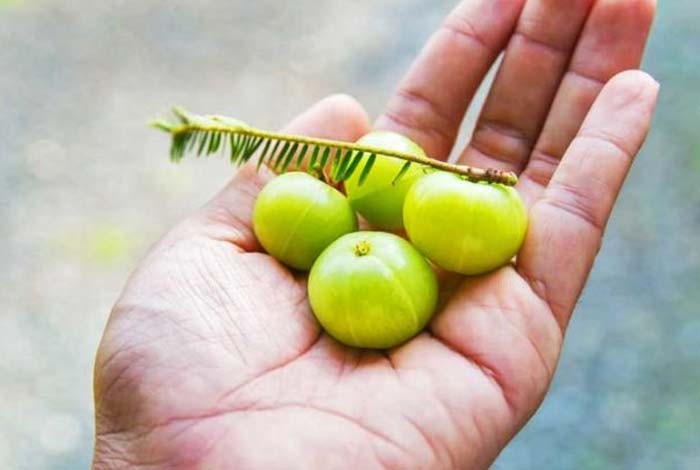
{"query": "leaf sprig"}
pixel 206 135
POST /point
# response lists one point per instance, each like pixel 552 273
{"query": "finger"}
pixel 567 223
pixel 430 102
pixel 522 93
pixel 613 40
pixel 229 214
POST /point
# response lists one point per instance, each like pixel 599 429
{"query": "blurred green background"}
pixel 86 187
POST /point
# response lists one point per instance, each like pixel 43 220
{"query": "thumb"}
pixel 228 215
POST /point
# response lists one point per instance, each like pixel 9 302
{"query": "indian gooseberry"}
pixel 296 217
pixel 377 199
pixel 462 226
pixel 372 290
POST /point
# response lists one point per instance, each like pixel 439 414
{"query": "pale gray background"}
pixel 85 187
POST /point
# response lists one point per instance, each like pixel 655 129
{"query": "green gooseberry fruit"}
pixel 297 216
pixel 372 290
pixel 377 199
pixel 462 226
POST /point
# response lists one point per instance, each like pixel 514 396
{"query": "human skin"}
pixel 212 358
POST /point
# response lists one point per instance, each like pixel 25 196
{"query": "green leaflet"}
pixel 352 167
pixel 402 172
pixel 367 168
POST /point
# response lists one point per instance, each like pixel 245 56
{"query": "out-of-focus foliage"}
pixel 86 187
pixel 8 2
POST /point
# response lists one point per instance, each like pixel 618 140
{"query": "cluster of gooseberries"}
pixel 374 289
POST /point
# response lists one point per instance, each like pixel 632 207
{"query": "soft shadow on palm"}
pixel 213 359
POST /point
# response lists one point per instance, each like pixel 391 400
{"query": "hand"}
pixel 213 359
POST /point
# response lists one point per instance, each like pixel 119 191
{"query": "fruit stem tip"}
pixel 362 248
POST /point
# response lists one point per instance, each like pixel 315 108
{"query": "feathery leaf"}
pixel 206 135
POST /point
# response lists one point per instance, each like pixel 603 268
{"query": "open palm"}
pixel 213 359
